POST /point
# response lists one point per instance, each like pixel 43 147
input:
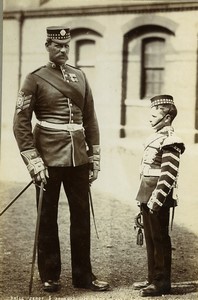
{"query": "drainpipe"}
pixel 196 103
pixel 20 18
pixel 1 74
pixel 124 90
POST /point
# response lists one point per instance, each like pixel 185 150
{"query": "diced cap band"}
pixel 161 99
pixel 58 33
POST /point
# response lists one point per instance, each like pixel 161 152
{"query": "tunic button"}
pixel 72 121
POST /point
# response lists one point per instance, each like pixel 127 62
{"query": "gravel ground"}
pixel 115 256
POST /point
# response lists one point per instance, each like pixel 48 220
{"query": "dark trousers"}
pixel 76 183
pixel 158 245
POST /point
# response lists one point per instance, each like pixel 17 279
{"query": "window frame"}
pixel 143 86
pixel 78 43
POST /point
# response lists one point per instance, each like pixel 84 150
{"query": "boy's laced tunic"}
pixel 168 176
pixel 160 163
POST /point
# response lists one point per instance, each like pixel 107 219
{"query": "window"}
pixel 85 53
pixel 85 58
pixel 153 62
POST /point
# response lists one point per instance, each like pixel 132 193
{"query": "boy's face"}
pixel 158 119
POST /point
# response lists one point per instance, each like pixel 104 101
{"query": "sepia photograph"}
pixel 99 150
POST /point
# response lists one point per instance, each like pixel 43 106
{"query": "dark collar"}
pixel 52 65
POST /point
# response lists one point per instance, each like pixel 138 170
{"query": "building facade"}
pixel 130 51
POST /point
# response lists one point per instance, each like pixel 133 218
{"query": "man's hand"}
pixel 93 175
pixel 35 165
pixel 94 164
pixel 41 177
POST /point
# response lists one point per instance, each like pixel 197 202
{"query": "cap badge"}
pixel 62 32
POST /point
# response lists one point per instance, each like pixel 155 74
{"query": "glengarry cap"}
pixel 58 34
pixel 161 99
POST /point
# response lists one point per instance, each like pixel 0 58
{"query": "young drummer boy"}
pixel 156 195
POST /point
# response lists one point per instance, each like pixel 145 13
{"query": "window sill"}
pixel 137 102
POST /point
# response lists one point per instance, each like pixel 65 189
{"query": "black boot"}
pixel 140 285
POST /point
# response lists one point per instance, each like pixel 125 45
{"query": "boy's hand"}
pixel 93 175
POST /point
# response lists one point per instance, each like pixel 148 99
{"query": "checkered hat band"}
pixel 58 36
pixel 162 101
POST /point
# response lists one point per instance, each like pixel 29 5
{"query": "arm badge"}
pixel 23 101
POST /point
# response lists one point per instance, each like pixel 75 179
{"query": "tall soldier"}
pixel 159 172
pixel 63 149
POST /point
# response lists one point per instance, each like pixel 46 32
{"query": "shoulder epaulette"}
pixel 174 140
pixel 37 69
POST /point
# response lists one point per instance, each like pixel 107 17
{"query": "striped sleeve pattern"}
pixel 169 172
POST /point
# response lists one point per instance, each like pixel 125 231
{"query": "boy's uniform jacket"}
pixel 159 168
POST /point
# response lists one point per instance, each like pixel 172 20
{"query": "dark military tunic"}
pixel 61 98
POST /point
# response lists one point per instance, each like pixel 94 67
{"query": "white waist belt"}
pixel 151 172
pixel 66 127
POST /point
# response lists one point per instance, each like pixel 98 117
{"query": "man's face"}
pixel 58 53
pixel 158 119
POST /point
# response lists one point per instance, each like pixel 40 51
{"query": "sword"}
pixel 19 194
pixel 92 210
pixel 36 235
